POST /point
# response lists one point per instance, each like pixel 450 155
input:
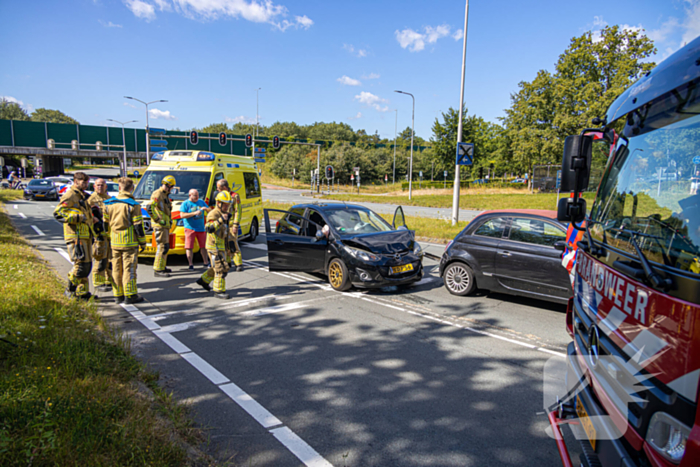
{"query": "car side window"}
pixel 315 218
pixel 492 228
pixel 217 177
pixel 252 186
pixel 535 231
pixel 291 223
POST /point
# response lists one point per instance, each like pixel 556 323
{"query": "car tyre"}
pixel 253 232
pixel 459 279
pixel 338 275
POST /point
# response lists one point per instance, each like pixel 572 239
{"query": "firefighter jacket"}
pixel 217 232
pixel 123 215
pixel 98 200
pixel 161 208
pixel 73 211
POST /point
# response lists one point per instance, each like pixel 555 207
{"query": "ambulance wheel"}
pixel 338 275
pixel 253 233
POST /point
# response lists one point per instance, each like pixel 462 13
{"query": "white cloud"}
pixel 415 41
pixel 358 53
pixel 157 114
pixel 692 21
pixel 373 101
pixel 109 24
pixel 359 115
pixel 28 107
pixel 240 119
pixel 304 21
pixel 347 81
pixel 458 34
pixel 370 76
pixel 163 5
pixel 361 53
pixel 141 9
pixel 129 105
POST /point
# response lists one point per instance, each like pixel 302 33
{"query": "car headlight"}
pixel 361 254
pixel 668 436
pixel 417 250
pixel 52 191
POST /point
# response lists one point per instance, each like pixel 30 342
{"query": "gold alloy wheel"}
pixel 335 274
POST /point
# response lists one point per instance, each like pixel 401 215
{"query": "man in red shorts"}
pixel 193 212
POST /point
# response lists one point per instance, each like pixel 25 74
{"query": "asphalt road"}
pixel 289 372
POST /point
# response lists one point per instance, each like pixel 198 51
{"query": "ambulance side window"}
pixel 212 199
pixel 252 185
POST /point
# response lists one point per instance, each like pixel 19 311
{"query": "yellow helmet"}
pixel 168 180
pixel 223 197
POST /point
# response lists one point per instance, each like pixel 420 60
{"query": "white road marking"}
pixel 63 253
pixel 15 206
pixel 21 214
pixel 290 440
pixel 39 232
pixel 282 308
pixel 182 326
pixel 249 301
pixel 299 448
pixel 257 246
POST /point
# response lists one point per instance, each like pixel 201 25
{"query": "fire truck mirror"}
pixel 569 210
pixel 576 163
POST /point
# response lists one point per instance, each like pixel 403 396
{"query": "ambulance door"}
pixel 235 180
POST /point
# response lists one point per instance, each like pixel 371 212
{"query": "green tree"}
pixel 12 111
pixel 216 128
pixel 52 116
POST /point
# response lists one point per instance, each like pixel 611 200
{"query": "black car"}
pixel 357 248
pixel 40 188
pixel 516 252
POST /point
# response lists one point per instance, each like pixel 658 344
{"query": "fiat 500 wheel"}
pixel 459 279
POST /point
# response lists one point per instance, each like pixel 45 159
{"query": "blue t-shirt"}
pixel 194 223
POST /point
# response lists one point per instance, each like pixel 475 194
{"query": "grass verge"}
pixel 478 202
pixel 70 391
pixel 427 229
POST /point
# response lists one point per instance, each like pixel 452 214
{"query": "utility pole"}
pixel 455 195
pixel 396 128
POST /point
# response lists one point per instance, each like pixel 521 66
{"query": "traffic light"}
pixel 249 140
pixel 329 172
pixel 276 142
pixel 222 138
pixel 194 137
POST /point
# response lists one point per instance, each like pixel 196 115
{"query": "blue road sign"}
pixel 558 179
pixel 156 131
pixel 261 160
pixel 136 173
pixel 465 153
pixel 259 149
pixel 696 160
pixel 158 142
pixel 445 173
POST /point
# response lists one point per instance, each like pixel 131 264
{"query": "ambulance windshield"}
pixel 184 181
pixel 650 187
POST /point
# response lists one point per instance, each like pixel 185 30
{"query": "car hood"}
pixel 39 188
pixel 396 241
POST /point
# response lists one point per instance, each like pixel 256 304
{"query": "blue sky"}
pixel 314 60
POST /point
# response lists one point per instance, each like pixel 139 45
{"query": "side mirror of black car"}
pixel 560 245
pixel 571 210
pixel 576 163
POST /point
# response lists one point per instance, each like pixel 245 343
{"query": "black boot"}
pixel 204 285
pixel 70 289
pixel 222 295
pixel 119 299
pixel 131 299
pixel 168 270
pixel 161 274
pixel 88 296
pixel 239 268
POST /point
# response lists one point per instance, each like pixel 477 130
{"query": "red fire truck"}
pixel 633 368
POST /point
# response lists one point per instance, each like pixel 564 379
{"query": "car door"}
pixel 399 219
pixel 527 260
pixel 482 242
pixel 290 247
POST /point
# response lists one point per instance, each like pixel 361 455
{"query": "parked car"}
pixel 62 183
pixel 361 249
pixel 41 188
pixel 511 251
pixel 112 188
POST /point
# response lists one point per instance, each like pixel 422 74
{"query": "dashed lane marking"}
pixel 63 253
pixel 257 246
pixel 290 440
pixel 282 308
pixel 15 206
pixel 21 214
pixel 38 231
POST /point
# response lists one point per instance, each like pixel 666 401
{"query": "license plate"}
pixel 38 195
pixel 400 269
pixel 586 422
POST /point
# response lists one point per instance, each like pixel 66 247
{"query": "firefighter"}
pixel 123 215
pixel 101 254
pixel 161 207
pixel 217 227
pixel 75 215
pixel 233 251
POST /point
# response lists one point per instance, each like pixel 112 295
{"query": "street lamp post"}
pixel 148 143
pixel 124 173
pixel 413 122
pixel 455 192
pixel 257 111
pixel 396 129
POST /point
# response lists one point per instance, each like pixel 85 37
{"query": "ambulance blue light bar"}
pixel 158 156
pixel 205 156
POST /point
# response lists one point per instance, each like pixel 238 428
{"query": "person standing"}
pixel 101 254
pixel 192 213
pixel 233 250
pixel 161 209
pixel 217 227
pixel 127 237
pixel 75 215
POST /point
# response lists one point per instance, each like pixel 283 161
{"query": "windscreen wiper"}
pixel 649 274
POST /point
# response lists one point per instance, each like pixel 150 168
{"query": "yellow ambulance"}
pixel 201 170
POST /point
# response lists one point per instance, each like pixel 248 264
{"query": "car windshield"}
pixel 353 221
pixel 111 186
pixel 184 182
pixel 40 183
pixel 651 184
